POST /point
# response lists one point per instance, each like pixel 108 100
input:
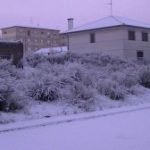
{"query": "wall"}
pixel 131 47
pixel 9 34
pixel 108 41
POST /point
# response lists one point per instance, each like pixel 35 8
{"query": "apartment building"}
pixel 34 38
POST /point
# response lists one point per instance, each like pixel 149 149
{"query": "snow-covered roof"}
pixel 32 27
pixel 47 51
pixel 110 21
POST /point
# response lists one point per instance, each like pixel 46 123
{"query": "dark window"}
pixel 28 33
pixel 140 55
pixel 131 35
pixel 5 32
pixel 92 38
pixel 144 36
pixel 42 32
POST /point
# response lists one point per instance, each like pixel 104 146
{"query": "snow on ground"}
pixel 125 131
pixel 38 110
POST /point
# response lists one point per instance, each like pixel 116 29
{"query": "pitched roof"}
pixel 110 21
pixel 29 27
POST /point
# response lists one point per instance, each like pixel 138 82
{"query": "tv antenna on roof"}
pixel 31 20
pixel 111 7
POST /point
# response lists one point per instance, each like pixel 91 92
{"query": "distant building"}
pixel 12 50
pixel 34 38
pixel 112 35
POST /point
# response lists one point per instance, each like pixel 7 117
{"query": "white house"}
pixel 112 35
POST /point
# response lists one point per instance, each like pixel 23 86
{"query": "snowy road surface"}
pixel 125 131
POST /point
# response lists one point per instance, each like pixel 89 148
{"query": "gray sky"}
pixel 54 13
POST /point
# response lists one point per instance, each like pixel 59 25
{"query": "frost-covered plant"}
pixel 111 89
pixel 34 59
pixel 144 77
pixel 10 97
pixel 44 89
pixel 82 96
pixel 125 79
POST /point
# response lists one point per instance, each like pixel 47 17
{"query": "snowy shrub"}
pixel 125 79
pixel 7 69
pixel 34 59
pixel 101 60
pixel 10 98
pixel 43 89
pixel 111 89
pixel 80 73
pixel 144 77
pixel 71 78
pixel 82 96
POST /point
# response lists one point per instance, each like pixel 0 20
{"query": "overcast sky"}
pixel 54 13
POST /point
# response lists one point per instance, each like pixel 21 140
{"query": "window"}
pixel 42 32
pixel 92 38
pixel 144 36
pixel 131 35
pixel 140 55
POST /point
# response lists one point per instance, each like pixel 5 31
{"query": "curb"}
pixel 68 119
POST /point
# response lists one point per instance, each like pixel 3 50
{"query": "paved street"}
pixel 125 131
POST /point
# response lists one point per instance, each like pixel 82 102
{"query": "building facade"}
pixel 114 36
pixel 34 38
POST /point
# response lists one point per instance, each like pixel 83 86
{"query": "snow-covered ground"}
pixel 65 84
pixel 125 131
pixel 38 110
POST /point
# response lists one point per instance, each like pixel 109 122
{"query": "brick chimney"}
pixel 70 23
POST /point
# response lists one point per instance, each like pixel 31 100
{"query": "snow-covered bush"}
pixel 35 59
pixel 44 92
pixel 144 77
pixel 70 78
pixel 126 79
pixel 10 97
pixel 111 89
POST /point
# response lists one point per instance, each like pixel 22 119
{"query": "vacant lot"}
pixel 70 83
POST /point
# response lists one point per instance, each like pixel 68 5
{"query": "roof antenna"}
pixel 31 21
pixel 111 7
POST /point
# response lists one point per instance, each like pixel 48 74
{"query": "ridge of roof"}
pixel 110 21
pixel 117 19
pixel 31 27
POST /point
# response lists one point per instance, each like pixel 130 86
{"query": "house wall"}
pixel 108 41
pixel 131 47
pixel 112 41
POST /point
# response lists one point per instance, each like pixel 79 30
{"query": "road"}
pixel 124 131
